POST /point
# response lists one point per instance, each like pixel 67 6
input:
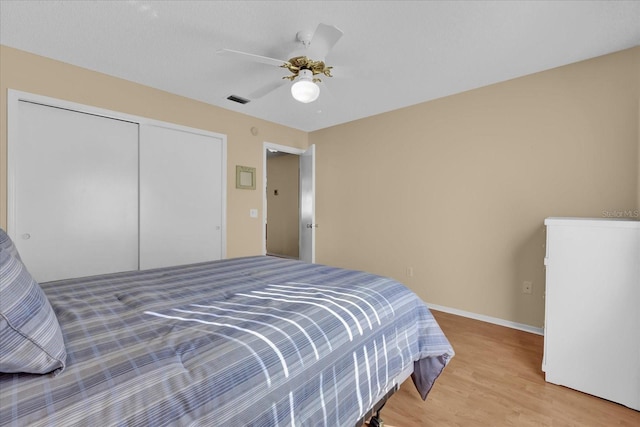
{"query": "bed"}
pixel 252 341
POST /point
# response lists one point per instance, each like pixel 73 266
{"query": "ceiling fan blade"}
pixel 267 89
pixel 324 38
pixel 342 72
pixel 251 57
pixel 345 72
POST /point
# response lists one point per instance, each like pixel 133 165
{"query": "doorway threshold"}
pixel 282 256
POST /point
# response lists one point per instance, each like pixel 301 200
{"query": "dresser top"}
pixel 594 222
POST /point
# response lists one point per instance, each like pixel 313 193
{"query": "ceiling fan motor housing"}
pixel 304 37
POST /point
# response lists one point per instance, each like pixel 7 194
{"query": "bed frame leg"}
pixel 376 421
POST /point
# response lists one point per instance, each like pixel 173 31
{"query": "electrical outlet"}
pixel 527 287
pixel 409 271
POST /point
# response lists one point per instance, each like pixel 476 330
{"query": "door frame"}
pixel 284 149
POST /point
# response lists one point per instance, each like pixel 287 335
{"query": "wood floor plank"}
pixel 496 379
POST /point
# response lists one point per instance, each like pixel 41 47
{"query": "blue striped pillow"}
pixel 29 330
pixel 6 244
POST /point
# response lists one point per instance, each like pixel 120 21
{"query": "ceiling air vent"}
pixel 237 99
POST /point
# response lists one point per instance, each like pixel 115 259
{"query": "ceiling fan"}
pixel 304 70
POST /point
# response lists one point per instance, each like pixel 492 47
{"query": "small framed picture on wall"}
pixel 245 178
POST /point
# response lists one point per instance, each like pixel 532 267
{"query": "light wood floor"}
pixel 496 379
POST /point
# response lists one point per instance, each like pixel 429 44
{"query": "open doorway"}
pixel 289 202
pixel 283 202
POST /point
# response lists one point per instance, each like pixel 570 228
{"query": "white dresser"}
pixel 592 312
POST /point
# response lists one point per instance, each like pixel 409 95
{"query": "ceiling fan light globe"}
pixel 305 91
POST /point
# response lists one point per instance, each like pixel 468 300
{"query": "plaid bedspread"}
pixel 256 341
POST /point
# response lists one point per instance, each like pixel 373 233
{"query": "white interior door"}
pixel 74 191
pixel 307 205
pixel 181 197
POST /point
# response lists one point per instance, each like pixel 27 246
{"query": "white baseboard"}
pixel 488 319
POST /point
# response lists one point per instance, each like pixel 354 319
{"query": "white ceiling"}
pixel 407 52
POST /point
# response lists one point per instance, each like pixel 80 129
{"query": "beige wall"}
pixel 458 188
pixel 31 73
pixel 283 208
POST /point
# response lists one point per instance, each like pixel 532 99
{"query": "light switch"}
pixel 253 213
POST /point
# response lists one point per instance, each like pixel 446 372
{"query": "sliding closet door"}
pixel 74 180
pixel 181 197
